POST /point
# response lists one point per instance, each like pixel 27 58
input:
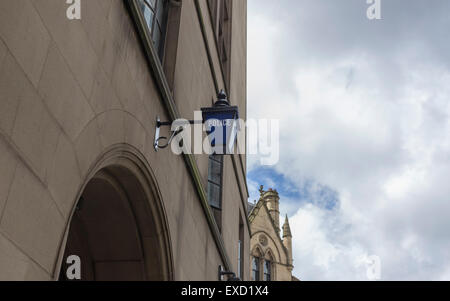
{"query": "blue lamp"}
pixel 222 125
pixel 221 122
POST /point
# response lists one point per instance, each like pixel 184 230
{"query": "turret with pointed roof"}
pixel 287 239
pixel 286 228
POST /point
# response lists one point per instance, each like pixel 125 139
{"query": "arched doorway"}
pixel 118 227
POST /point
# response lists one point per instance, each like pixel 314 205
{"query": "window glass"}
pixel 255 269
pixel 267 270
pixel 221 14
pixel 148 15
pixel 215 171
pixel 155 15
pixel 157 35
pixel 241 254
pixel 215 181
pixel 239 259
pixel 214 196
pixel 161 11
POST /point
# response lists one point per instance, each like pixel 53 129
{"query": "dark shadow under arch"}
pixel 118 227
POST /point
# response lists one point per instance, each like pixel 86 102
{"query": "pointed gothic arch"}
pixel 257 251
pixel 269 255
pixel 269 264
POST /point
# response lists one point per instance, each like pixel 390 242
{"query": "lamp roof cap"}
pixel 222 99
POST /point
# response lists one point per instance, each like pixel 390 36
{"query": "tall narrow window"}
pixel 220 11
pixel 215 186
pixel 267 270
pixel 155 15
pixel 255 269
pixel 241 249
pixel 239 259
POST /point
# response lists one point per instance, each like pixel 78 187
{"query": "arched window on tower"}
pixel 257 261
pixel 269 266
pixel 267 270
pixel 255 268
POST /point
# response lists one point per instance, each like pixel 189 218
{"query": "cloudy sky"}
pixel 364 110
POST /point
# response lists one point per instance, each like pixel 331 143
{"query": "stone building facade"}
pixel 270 252
pixel 78 105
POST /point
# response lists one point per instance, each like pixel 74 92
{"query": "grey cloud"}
pixel 364 109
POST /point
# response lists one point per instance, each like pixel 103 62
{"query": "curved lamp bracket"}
pixel 220 111
pixel 159 139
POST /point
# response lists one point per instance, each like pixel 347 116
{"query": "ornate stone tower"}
pixel 271 251
pixel 272 200
pixel 287 239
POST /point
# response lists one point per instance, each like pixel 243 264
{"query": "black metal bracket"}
pixel 222 105
pixel 177 131
pixel 226 273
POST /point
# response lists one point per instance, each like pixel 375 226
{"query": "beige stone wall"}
pixel 262 225
pixel 69 90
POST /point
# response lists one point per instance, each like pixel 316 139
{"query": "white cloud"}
pixel 364 109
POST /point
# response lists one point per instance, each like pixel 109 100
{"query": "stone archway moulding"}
pixel 125 156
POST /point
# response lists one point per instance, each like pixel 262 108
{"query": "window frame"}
pixel 217 205
pixel 239 266
pixel 212 182
pixel 241 252
pixel 256 273
pixel 267 271
pixel 156 23
pixel 221 16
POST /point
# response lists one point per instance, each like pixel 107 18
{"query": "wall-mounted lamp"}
pixel 221 122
